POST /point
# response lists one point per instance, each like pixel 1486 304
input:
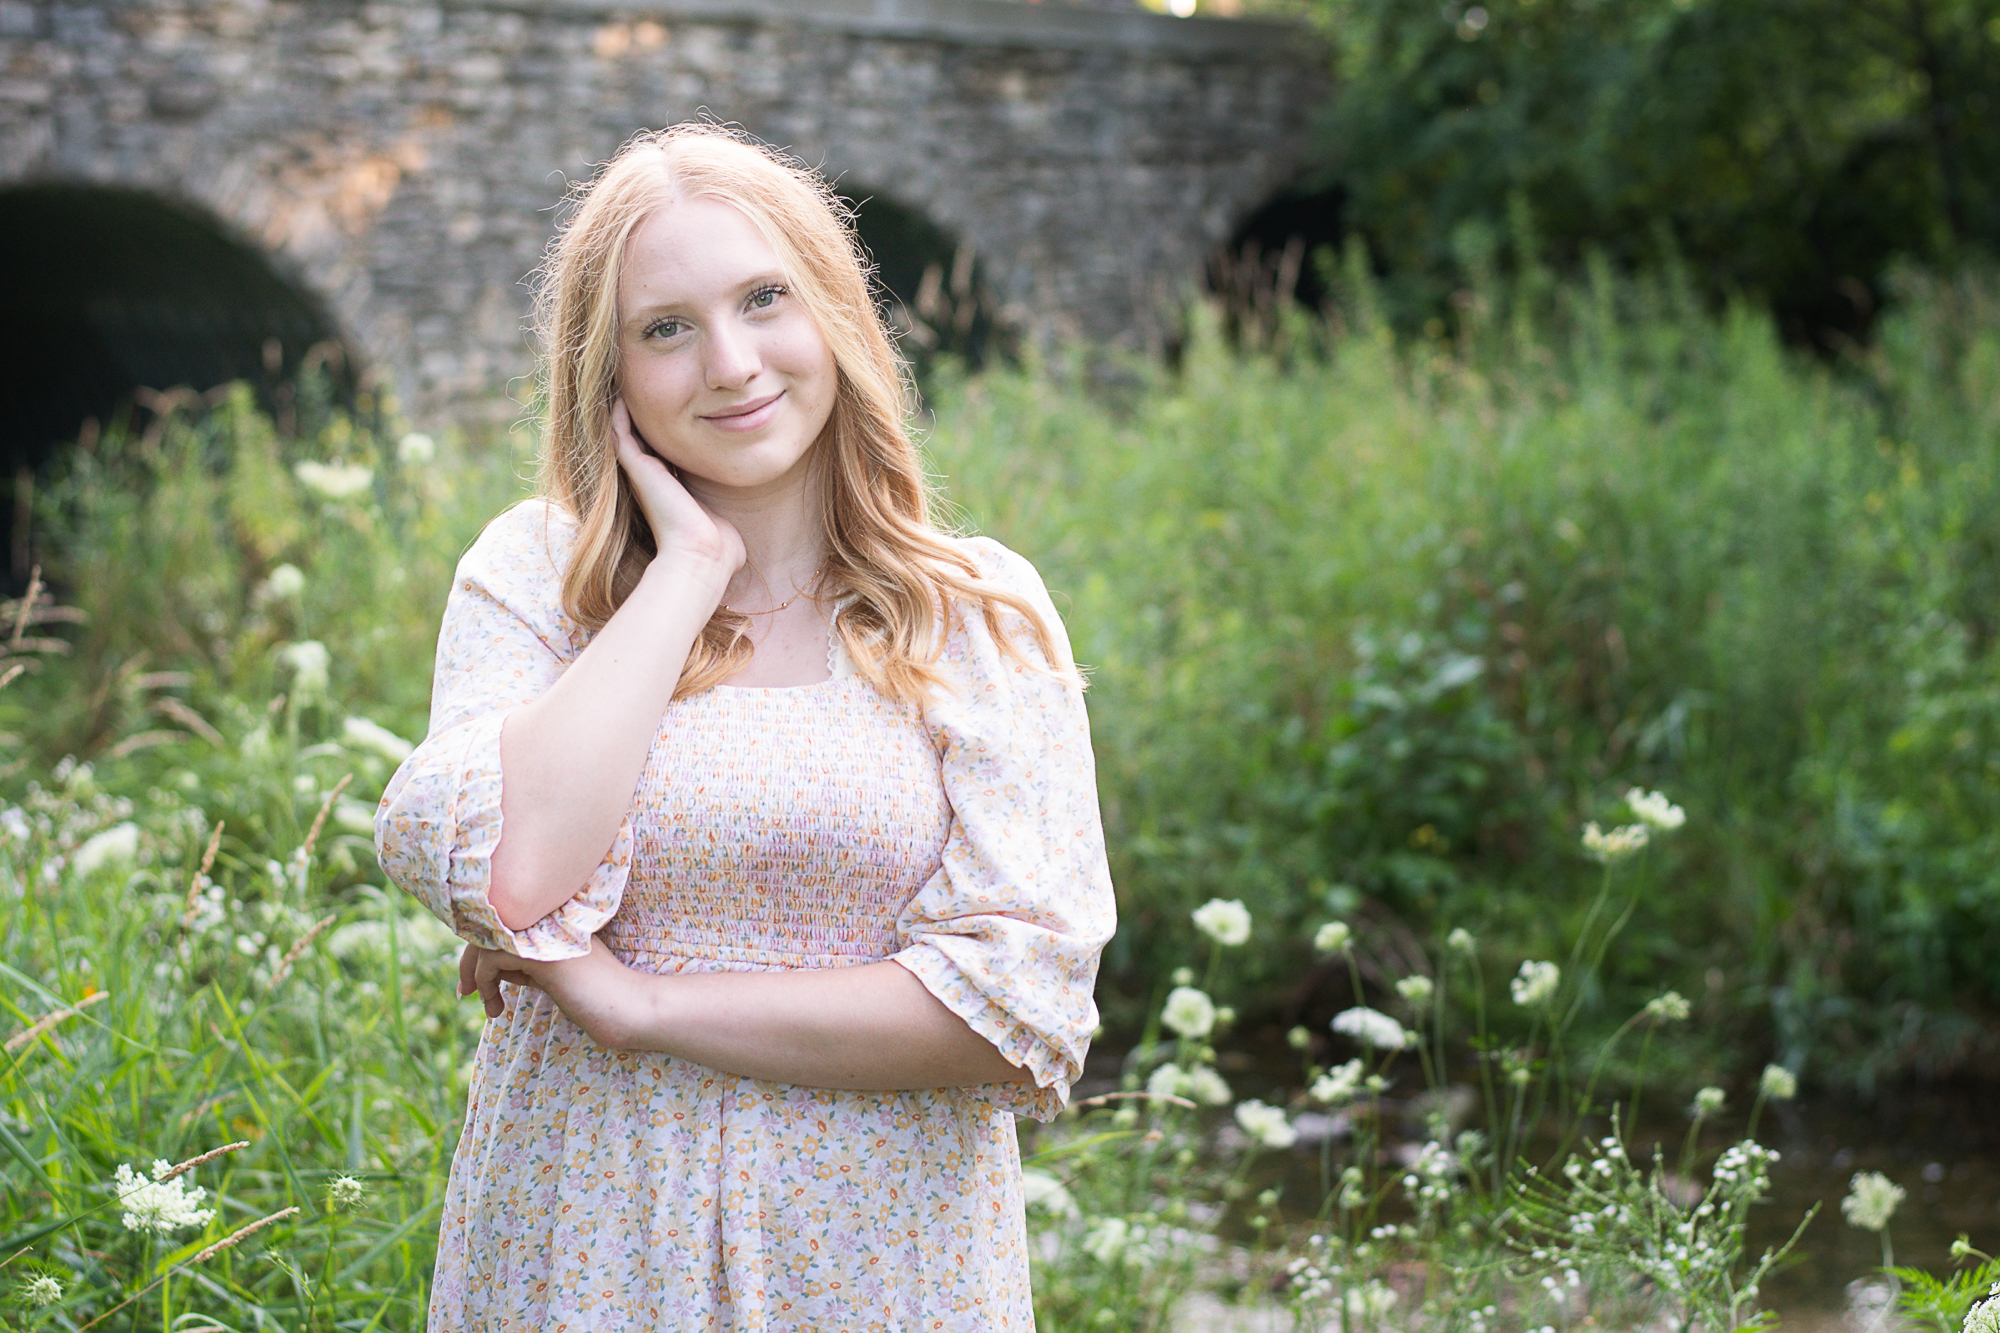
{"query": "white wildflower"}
pixel 345 1192
pixel 1372 1027
pixel 416 449
pixel 1338 1085
pixel 1041 1190
pixel 1460 941
pixel 1333 937
pixel 1416 989
pixel 1189 1012
pixel 1265 1124
pixel 1707 1102
pixel 1105 1241
pixel 1654 810
pixel 41 1289
pixel 1206 1086
pixel 310 663
pixel 1535 984
pixel 358 733
pixel 1167 1081
pixel 335 481
pixel 1299 1039
pixel 1615 845
pixel 1671 1007
pixel 1985 1316
pixel 1871 1200
pixel 1226 921
pixel 1370 1301
pixel 282 585
pixel 117 845
pixel 160 1206
pixel 1778 1084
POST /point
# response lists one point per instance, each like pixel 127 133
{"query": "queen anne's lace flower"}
pixel 1536 983
pixel 1707 1102
pixel 1671 1007
pixel 1654 810
pixel 1226 921
pixel 310 663
pixel 157 1205
pixel 1417 990
pixel 1266 1124
pixel 1778 1084
pixel 345 1192
pixel 1871 1200
pixel 1460 941
pixel 1338 1085
pixel 1207 1087
pixel 1372 1027
pixel 1985 1316
pixel 335 481
pixel 1189 1012
pixel 1333 937
pixel 41 1289
pixel 117 845
pixel 1617 844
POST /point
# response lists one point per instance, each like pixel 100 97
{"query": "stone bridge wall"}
pixel 401 159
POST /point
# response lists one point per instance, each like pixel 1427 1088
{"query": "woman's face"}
pixel 722 368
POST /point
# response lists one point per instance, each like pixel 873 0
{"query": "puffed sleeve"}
pixel 505 640
pixel 1007 933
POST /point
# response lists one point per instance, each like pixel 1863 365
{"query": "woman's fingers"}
pixel 468 963
pixel 679 522
pixel 489 968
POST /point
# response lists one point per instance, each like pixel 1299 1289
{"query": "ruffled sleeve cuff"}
pixel 436 832
pixel 960 971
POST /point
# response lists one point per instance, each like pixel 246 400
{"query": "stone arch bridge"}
pixel 397 161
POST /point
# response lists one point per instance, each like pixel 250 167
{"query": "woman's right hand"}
pixel 684 531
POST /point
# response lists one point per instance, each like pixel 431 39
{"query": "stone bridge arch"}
pixel 401 159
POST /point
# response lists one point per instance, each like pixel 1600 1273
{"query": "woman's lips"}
pixel 753 415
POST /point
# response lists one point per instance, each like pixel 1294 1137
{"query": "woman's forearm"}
pixel 571 759
pixel 870 1027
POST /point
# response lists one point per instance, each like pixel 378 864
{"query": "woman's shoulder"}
pixel 999 564
pixel 1008 571
pixel 517 562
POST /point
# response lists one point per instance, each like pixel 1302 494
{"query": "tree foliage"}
pixel 1787 149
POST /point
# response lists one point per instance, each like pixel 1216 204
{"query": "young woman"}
pixel 766 808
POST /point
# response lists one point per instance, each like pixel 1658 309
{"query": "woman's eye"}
pixel 765 297
pixel 665 328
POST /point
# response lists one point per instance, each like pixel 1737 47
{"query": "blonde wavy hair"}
pixel 883 551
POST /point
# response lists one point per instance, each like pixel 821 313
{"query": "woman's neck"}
pixel 783 542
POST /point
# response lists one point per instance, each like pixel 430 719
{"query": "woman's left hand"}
pixel 596 992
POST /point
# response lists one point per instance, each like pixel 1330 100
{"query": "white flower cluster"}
pixel 334 481
pixel 1333 937
pixel 1429 1178
pixel 1871 1200
pixel 1654 810
pixel 41 1289
pixel 1985 1316
pixel 310 663
pixel 1746 1167
pixel 1615 845
pixel 1042 1191
pixel 1338 1085
pixel 1266 1125
pixel 1416 989
pixel 1189 1012
pixel 1535 984
pixel 1227 922
pixel 358 733
pixel 1671 1007
pixel 157 1205
pixel 1197 1083
pixel 346 1192
pixel 1372 1027
pixel 117 845
pixel 1707 1102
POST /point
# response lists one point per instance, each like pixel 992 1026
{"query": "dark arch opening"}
pixel 933 286
pixel 114 291
pixel 1273 257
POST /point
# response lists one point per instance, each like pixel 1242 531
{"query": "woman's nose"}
pixel 732 357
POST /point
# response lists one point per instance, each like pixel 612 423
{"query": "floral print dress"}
pixel 810 827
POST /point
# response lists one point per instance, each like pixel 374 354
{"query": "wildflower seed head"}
pixel 1871 1200
pixel 310 663
pixel 1707 1102
pixel 1778 1084
pixel 1299 1039
pixel 1671 1007
pixel 1372 1027
pixel 1536 983
pixel 1616 845
pixel 1207 1087
pixel 1416 989
pixel 1333 937
pixel 1460 941
pixel 41 1289
pixel 1189 1012
pixel 1654 810
pixel 1226 921
pixel 346 1192
pixel 1961 1248
pixel 1225 1015
pixel 415 449
pixel 1182 976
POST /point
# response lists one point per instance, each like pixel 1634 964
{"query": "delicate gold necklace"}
pixel 773 610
